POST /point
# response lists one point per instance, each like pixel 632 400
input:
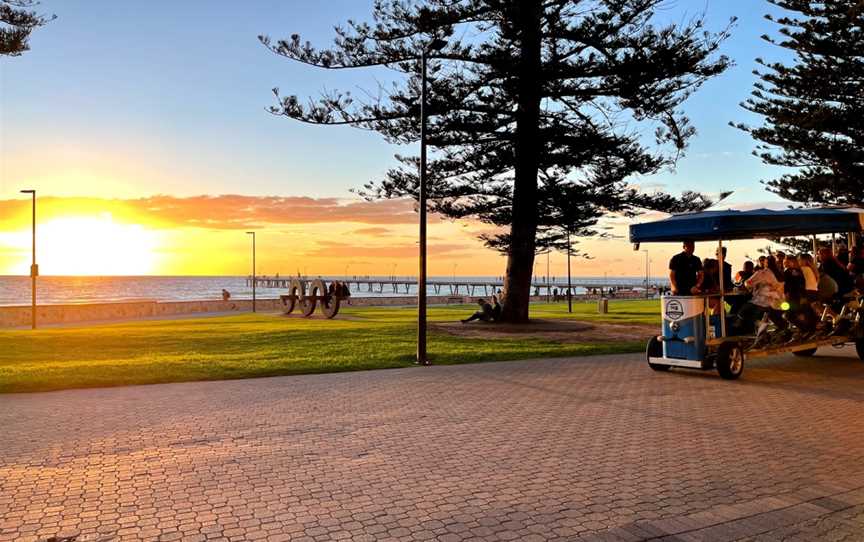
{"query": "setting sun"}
pixel 95 245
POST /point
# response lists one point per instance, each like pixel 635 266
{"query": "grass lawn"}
pixel 247 345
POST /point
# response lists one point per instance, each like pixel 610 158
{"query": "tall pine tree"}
pixel 19 21
pixel 813 109
pixel 534 104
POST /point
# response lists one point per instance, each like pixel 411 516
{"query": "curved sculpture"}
pixel 330 297
pixel 316 291
pixel 296 292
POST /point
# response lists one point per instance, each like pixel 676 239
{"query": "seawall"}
pixel 19 316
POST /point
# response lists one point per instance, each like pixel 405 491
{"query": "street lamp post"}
pixel 422 359
pixel 34 269
pixel 569 284
pixel 548 285
pixel 254 281
pixel 647 279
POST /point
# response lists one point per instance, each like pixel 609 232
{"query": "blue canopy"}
pixel 755 224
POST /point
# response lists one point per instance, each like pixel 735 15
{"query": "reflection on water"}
pixel 56 290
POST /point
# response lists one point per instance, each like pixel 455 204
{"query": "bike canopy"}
pixel 755 224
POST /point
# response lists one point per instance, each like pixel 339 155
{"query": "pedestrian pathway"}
pixel 568 449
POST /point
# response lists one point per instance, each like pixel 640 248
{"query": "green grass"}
pixel 247 345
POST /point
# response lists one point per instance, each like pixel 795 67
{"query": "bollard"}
pixel 602 305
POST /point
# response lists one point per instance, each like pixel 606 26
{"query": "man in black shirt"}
pixel 685 271
pixel 727 271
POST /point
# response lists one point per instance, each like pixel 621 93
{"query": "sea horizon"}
pixel 82 289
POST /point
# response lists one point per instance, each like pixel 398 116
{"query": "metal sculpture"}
pixel 330 297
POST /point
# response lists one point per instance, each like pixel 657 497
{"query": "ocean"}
pixel 15 290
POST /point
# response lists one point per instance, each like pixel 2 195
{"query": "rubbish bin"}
pixel 603 305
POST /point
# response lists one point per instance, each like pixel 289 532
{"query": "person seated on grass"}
pixel 485 314
pixel 496 309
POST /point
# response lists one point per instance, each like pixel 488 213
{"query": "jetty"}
pixel 455 286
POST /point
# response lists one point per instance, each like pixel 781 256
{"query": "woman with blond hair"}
pixel 811 276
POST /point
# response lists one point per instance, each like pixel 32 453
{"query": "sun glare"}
pixel 95 246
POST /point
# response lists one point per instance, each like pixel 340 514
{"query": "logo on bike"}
pixel 674 310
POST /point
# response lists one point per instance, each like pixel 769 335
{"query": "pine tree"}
pixel 813 109
pixel 533 104
pixel 20 21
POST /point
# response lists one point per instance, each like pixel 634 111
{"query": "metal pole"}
pixel 254 281
pixel 722 261
pixel 34 269
pixel 254 272
pixel 421 279
pixel 569 285
pixel 548 284
pixel 646 272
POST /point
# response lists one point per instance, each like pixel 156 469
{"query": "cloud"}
pixel 228 211
pixel 332 248
pixel 377 232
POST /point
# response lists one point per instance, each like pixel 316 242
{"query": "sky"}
pixel 143 127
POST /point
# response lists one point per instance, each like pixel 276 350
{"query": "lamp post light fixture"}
pixel 34 268
pixel 254 281
pixel 422 359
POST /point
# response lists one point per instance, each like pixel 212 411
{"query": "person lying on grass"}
pixel 487 312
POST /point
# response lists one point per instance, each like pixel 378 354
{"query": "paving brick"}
pixel 575 448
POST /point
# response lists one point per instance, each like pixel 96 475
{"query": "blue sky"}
pixel 140 98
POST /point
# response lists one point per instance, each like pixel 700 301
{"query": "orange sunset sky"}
pixel 205 235
pixel 155 156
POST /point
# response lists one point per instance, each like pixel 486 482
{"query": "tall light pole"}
pixel 422 359
pixel 548 285
pixel 647 279
pixel 34 269
pixel 252 233
pixel 569 284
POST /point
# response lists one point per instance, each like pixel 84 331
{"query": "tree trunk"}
pixel 520 260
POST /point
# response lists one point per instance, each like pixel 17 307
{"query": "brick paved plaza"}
pixel 554 449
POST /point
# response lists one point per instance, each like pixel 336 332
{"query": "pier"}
pixel 454 287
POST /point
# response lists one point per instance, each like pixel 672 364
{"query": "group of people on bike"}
pixel 800 296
